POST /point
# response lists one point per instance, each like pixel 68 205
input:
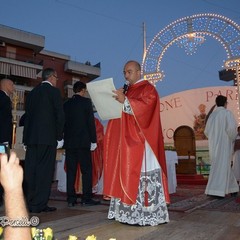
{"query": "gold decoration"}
pixel 15 100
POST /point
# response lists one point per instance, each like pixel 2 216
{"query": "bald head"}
pixel 132 71
pixel 7 86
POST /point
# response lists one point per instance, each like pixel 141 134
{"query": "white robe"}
pixel 221 130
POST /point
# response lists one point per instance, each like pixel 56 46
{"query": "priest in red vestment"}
pixel 135 173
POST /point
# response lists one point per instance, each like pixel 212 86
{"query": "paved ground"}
pixel 83 221
pixel 194 225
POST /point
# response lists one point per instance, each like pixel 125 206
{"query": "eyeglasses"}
pixel 55 76
pixel 130 72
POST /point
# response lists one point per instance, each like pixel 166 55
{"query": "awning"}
pixel 17 70
pixel 4 68
pixel 23 71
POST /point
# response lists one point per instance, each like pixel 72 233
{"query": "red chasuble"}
pixel 124 144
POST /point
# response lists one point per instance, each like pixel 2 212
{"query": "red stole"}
pixel 97 154
pixel 124 144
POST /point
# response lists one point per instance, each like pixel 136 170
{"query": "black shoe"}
pixel 234 194
pixel 216 197
pixel 90 202
pixel 219 197
pixel 34 211
pixel 49 209
pixel 70 204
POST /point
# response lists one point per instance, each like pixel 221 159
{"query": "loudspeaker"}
pixel 227 75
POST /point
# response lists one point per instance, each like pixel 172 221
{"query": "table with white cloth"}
pixel 171 160
pixel 61 177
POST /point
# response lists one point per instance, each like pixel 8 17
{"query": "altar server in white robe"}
pixel 221 130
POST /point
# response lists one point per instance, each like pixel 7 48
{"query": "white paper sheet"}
pixel 103 100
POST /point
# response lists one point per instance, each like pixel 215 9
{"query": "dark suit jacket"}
pixel 6 125
pixel 44 120
pixel 79 129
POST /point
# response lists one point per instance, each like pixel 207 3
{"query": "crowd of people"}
pixel 134 164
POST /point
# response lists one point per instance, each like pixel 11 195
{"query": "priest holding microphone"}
pixel 135 173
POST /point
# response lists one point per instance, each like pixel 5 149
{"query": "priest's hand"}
pixel 119 95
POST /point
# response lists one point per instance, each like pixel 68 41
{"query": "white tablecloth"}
pixel 171 160
pixel 61 175
pixel 62 181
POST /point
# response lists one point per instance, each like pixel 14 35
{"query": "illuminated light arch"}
pixel 191 29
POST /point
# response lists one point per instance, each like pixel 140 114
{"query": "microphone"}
pixel 125 87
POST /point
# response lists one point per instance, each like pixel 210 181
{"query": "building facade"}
pixel 23 57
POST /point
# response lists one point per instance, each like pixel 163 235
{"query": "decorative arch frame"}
pixel 221 28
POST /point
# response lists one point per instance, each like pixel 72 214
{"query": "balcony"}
pixel 19 65
pixel 85 69
pixel 21 38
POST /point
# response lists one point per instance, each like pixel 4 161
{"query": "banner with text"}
pixel 191 107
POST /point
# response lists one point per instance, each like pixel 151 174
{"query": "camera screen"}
pixel 2 149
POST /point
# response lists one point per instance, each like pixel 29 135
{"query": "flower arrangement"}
pixel 47 234
pixel 42 234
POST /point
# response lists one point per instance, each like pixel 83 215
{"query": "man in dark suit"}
pixel 42 134
pixel 79 140
pixel 6 124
